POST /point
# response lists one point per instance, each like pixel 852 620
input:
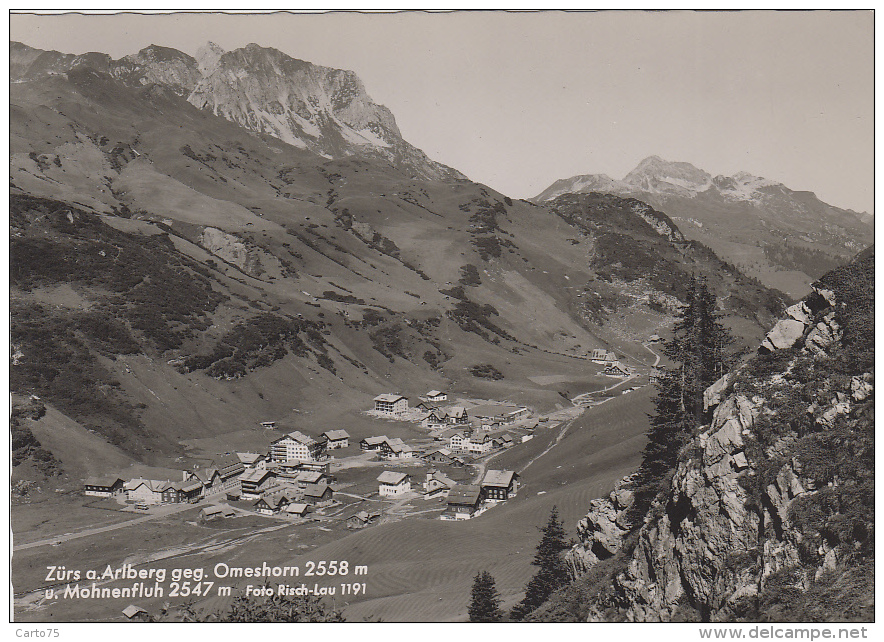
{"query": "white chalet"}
pixel 296 445
pixel 437 395
pixel 393 405
pixel 336 439
pixel 393 484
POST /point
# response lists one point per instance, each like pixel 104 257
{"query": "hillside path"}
pixel 103 529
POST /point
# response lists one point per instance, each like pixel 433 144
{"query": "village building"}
pixel 269 425
pixel 496 414
pixel 427 406
pixel 319 494
pixel 457 415
pixel 362 519
pixel 253 460
pixel 504 441
pixel 150 491
pixel 435 396
pixel 336 439
pixel 273 503
pixel 480 442
pixel 189 491
pixel 230 467
pixel 210 479
pixel 297 445
pixel 303 478
pixel 255 482
pixel 297 510
pixel 211 512
pixel 500 485
pixel 441 456
pixel 136 613
pixel 434 420
pixel 103 486
pixel 393 484
pixel 463 502
pixel 437 484
pixel 458 442
pixel 394 405
pixel 616 369
pixel 372 443
pixel 396 449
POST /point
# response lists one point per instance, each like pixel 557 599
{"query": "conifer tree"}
pixel 553 572
pixel 698 352
pixel 484 599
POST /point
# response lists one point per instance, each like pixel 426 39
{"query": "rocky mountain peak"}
pixel 655 174
pixel 327 111
pixel 207 57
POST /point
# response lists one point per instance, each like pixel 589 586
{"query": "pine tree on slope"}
pixel 698 352
pixel 484 599
pixel 553 573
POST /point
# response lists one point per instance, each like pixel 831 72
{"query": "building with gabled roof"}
pixel 500 485
pixel 393 405
pixel 297 509
pixel 434 419
pixel 616 369
pixel 136 612
pixel 103 486
pixel 459 441
pixel 393 484
pixel 255 482
pixel 273 503
pixel 437 484
pixel 362 519
pixel 297 445
pixel 435 396
pixel 210 478
pixel 320 494
pixel 457 415
pixel 464 500
pixel 253 460
pixel 479 443
pixel 373 443
pixel 396 449
pixel 336 439
pixel 149 491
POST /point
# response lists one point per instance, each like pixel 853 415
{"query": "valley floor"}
pixel 419 568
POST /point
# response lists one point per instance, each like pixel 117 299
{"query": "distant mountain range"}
pixel 324 110
pixel 783 237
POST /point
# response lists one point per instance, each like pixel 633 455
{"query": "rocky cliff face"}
pixel 736 513
pixel 324 110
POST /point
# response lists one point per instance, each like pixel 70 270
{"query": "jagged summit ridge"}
pixel 655 175
pixel 324 110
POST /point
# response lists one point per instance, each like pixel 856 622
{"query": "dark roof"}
pixel 316 490
pixel 502 478
pixel 102 481
pixel 223 461
pixel 464 494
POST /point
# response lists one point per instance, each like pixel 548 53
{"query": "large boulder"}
pixel 784 335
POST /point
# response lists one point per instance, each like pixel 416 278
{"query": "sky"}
pixel 519 100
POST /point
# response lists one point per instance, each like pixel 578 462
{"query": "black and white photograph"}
pixel 442 317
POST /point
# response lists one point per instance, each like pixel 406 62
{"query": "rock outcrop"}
pixel 601 531
pixel 725 526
